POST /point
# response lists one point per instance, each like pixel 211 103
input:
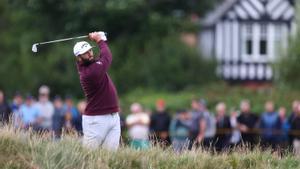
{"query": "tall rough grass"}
pixel 26 150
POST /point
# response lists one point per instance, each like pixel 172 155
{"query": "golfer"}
pixel 100 121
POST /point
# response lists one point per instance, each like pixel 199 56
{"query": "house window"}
pixel 249 45
pixel 263 40
pixel 263 47
pixel 248 38
pixel 255 42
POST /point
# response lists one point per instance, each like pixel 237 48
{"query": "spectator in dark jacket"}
pixel 294 110
pixel 15 107
pixel 160 122
pixel 58 117
pixel 285 127
pixel 270 126
pixel 291 118
pixel 246 124
pixel 16 102
pixel 81 106
pixel 5 110
pixel 222 138
pixel 295 128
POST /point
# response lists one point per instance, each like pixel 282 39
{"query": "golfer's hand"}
pixel 102 35
pixel 95 36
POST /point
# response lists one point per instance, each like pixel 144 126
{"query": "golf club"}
pixel 35 49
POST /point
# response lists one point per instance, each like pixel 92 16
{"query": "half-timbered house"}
pixel 246 36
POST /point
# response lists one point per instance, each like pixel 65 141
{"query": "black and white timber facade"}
pixel 246 36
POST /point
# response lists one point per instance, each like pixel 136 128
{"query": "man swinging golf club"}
pixel 100 121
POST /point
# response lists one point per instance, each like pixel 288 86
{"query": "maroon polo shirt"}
pixel 98 88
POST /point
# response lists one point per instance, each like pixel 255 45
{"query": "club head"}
pixel 34 48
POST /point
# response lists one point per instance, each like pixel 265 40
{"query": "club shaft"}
pixel 61 40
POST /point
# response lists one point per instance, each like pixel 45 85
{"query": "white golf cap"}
pixel 81 48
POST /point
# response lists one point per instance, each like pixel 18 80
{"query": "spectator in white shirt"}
pixel 45 107
pixel 138 126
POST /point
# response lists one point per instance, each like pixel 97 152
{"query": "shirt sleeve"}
pixel 105 54
pixel 101 65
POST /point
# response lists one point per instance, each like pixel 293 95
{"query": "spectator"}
pixel 210 127
pixel 45 107
pixel 198 124
pixel 294 110
pixel 138 127
pixel 283 137
pixel 179 131
pixel 291 118
pixel 246 123
pixel 81 108
pixel 160 122
pixel 29 114
pixel 17 102
pixel 5 110
pixel 270 125
pixel 122 125
pixel 223 135
pixel 295 130
pixel 236 134
pixel 73 117
pixel 58 117
pixel 15 107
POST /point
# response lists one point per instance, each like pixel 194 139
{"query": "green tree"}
pixel 288 65
pixel 143 35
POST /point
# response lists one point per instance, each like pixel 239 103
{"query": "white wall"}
pixel 206 43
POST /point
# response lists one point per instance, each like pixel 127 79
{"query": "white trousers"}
pixel 101 131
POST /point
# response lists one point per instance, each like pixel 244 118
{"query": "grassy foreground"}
pixel 24 150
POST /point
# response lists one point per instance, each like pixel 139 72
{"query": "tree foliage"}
pixel 143 35
pixel 288 66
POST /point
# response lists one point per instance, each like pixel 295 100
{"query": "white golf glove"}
pixel 103 36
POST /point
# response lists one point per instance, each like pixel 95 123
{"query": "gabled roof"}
pixel 251 9
pixel 212 17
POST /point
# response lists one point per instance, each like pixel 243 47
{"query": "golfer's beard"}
pixel 87 62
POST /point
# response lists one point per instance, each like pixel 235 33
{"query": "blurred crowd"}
pixel 42 114
pixel 218 130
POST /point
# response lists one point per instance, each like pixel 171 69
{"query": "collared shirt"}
pixel 98 88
